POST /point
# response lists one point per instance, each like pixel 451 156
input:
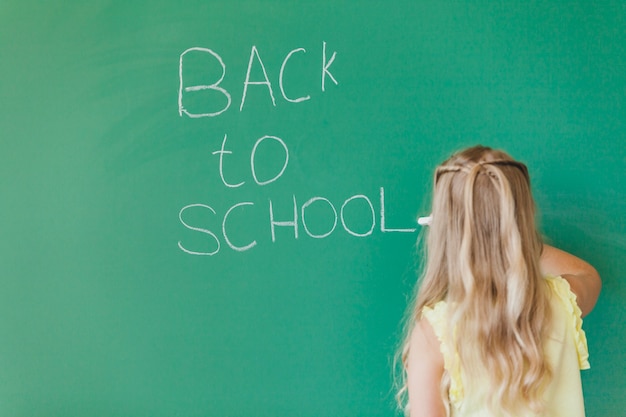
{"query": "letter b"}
pixel 195 88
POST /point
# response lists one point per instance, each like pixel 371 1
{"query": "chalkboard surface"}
pixel 208 208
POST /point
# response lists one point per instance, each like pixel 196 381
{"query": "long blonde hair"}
pixel 482 258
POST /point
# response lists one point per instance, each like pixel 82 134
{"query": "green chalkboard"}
pixel 208 208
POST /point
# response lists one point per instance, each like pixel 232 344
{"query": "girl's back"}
pixel 565 349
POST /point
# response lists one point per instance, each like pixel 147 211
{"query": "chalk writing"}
pixel 293 221
pixel 222 151
pixel 217 101
pixel 215 86
pixel 198 229
pixel 252 160
pixel 310 202
pixel 280 79
pixel 213 103
pixel 326 65
pixel 247 82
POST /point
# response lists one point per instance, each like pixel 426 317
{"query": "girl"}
pixel 495 329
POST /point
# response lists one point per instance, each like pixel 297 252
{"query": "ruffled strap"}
pixel 562 289
pixel 437 317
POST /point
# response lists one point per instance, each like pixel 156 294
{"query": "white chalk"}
pixel 425 221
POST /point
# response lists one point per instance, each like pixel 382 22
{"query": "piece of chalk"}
pixel 425 221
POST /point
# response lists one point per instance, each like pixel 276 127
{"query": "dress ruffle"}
pixel 437 317
pixel 562 289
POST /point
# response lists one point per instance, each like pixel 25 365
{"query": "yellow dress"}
pixel 566 350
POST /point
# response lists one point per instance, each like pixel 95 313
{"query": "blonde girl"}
pixel 495 329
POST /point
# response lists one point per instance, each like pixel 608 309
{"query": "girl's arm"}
pixel 425 369
pixel 582 277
